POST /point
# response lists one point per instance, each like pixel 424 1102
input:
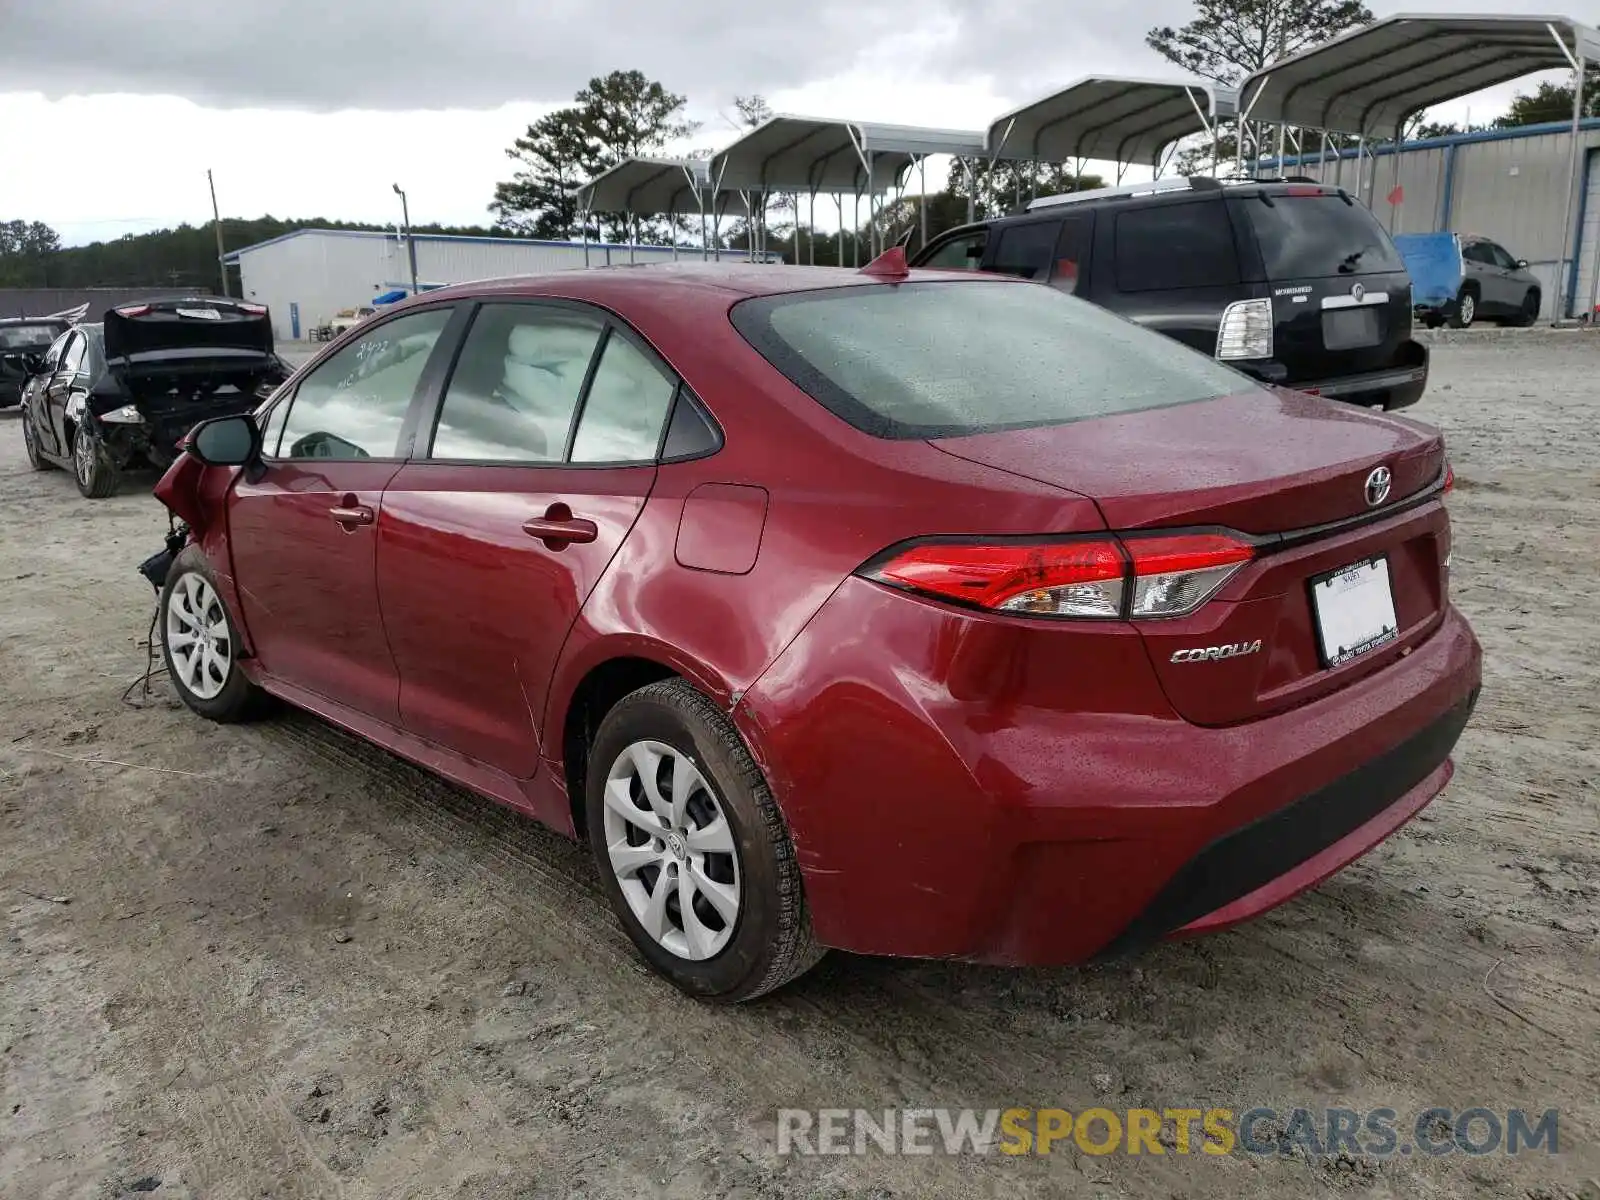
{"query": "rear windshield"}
pixel 1316 237
pixel 28 337
pixel 947 359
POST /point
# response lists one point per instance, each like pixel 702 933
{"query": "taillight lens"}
pixel 255 310
pixel 133 310
pixel 1140 577
pixel 1053 579
pixel 1173 576
pixel 1449 477
pixel 1246 330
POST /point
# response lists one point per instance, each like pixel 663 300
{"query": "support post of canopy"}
pixel 583 224
pixel 1566 280
pixel 922 167
pixel 1322 159
pixel 838 200
pixel 811 231
pixel 1244 119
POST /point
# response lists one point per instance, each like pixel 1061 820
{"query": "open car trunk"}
pixel 181 361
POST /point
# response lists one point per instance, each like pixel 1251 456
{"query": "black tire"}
pixel 238 699
pixel 1528 314
pixel 96 474
pixel 31 444
pixel 1465 310
pixel 771 941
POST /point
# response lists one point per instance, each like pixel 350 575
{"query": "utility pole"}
pixel 216 222
pixel 411 245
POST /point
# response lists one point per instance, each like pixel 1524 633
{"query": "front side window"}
pixel 968 356
pixel 958 254
pixel 516 384
pixel 354 405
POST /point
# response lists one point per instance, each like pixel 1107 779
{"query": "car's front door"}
pixel 46 425
pixel 540 459
pixel 58 387
pixel 303 532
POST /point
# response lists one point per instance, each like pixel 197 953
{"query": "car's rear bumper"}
pixel 936 812
pixel 1399 385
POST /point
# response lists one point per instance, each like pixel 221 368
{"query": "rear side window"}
pixel 1026 250
pixel 1170 246
pixel 946 359
pixel 958 254
pixel 1318 236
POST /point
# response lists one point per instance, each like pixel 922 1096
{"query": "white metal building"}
pixel 306 276
pixel 1510 185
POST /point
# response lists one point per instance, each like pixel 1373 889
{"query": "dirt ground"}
pixel 268 961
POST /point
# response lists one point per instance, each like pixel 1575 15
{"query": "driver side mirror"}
pixel 32 364
pixel 226 441
pixel 1522 264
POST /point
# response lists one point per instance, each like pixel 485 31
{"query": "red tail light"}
pixel 255 310
pixel 1449 477
pixel 133 310
pixel 1138 576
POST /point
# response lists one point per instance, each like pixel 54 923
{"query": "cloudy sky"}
pixel 114 110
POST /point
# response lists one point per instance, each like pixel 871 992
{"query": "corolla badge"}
pixel 1378 485
pixel 1214 653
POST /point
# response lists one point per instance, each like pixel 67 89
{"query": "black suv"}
pixel 1295 283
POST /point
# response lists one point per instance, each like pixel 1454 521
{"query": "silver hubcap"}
pixel 671 850
pixel 198 638
pixel 83 456
pixel 1469 309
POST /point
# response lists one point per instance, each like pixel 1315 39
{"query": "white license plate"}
pixel 1354 608
pixel 201 314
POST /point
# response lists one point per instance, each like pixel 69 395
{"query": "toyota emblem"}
pixel 1359 292
pixel 1378 486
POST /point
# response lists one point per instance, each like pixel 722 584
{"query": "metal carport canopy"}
pixel 1113 119
pixel 647 187
pixel 789 153
pixel 1374 79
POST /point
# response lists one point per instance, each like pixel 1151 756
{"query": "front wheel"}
pixel 1528 314
pixel 200 645
pixel 92 466
pixel 30 443
pixel 693 852
pixel 1466 310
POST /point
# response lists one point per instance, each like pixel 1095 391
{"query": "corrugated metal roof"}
pixel 1374 78
pixel 648 187
pixel 789 153
pixel 1106 117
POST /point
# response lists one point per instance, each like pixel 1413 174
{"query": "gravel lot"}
pixel 269 961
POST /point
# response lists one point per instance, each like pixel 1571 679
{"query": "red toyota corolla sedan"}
pixel 906 613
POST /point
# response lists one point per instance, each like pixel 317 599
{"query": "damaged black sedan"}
pixel 107 397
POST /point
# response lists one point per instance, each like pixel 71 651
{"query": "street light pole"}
pixel 411 246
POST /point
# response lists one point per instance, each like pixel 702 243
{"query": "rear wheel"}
pixel 92 465
pixel 692 850
pixel 30 443
pixel 1466 310
pixel 200 645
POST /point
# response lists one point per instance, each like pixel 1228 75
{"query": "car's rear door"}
pixel 1171 265
pixel 303 531
pixel 522 488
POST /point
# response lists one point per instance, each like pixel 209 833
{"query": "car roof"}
pixel 726 281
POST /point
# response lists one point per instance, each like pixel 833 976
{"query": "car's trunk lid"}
pixel 1298 476
pixel 186 337
pixel 1259 462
